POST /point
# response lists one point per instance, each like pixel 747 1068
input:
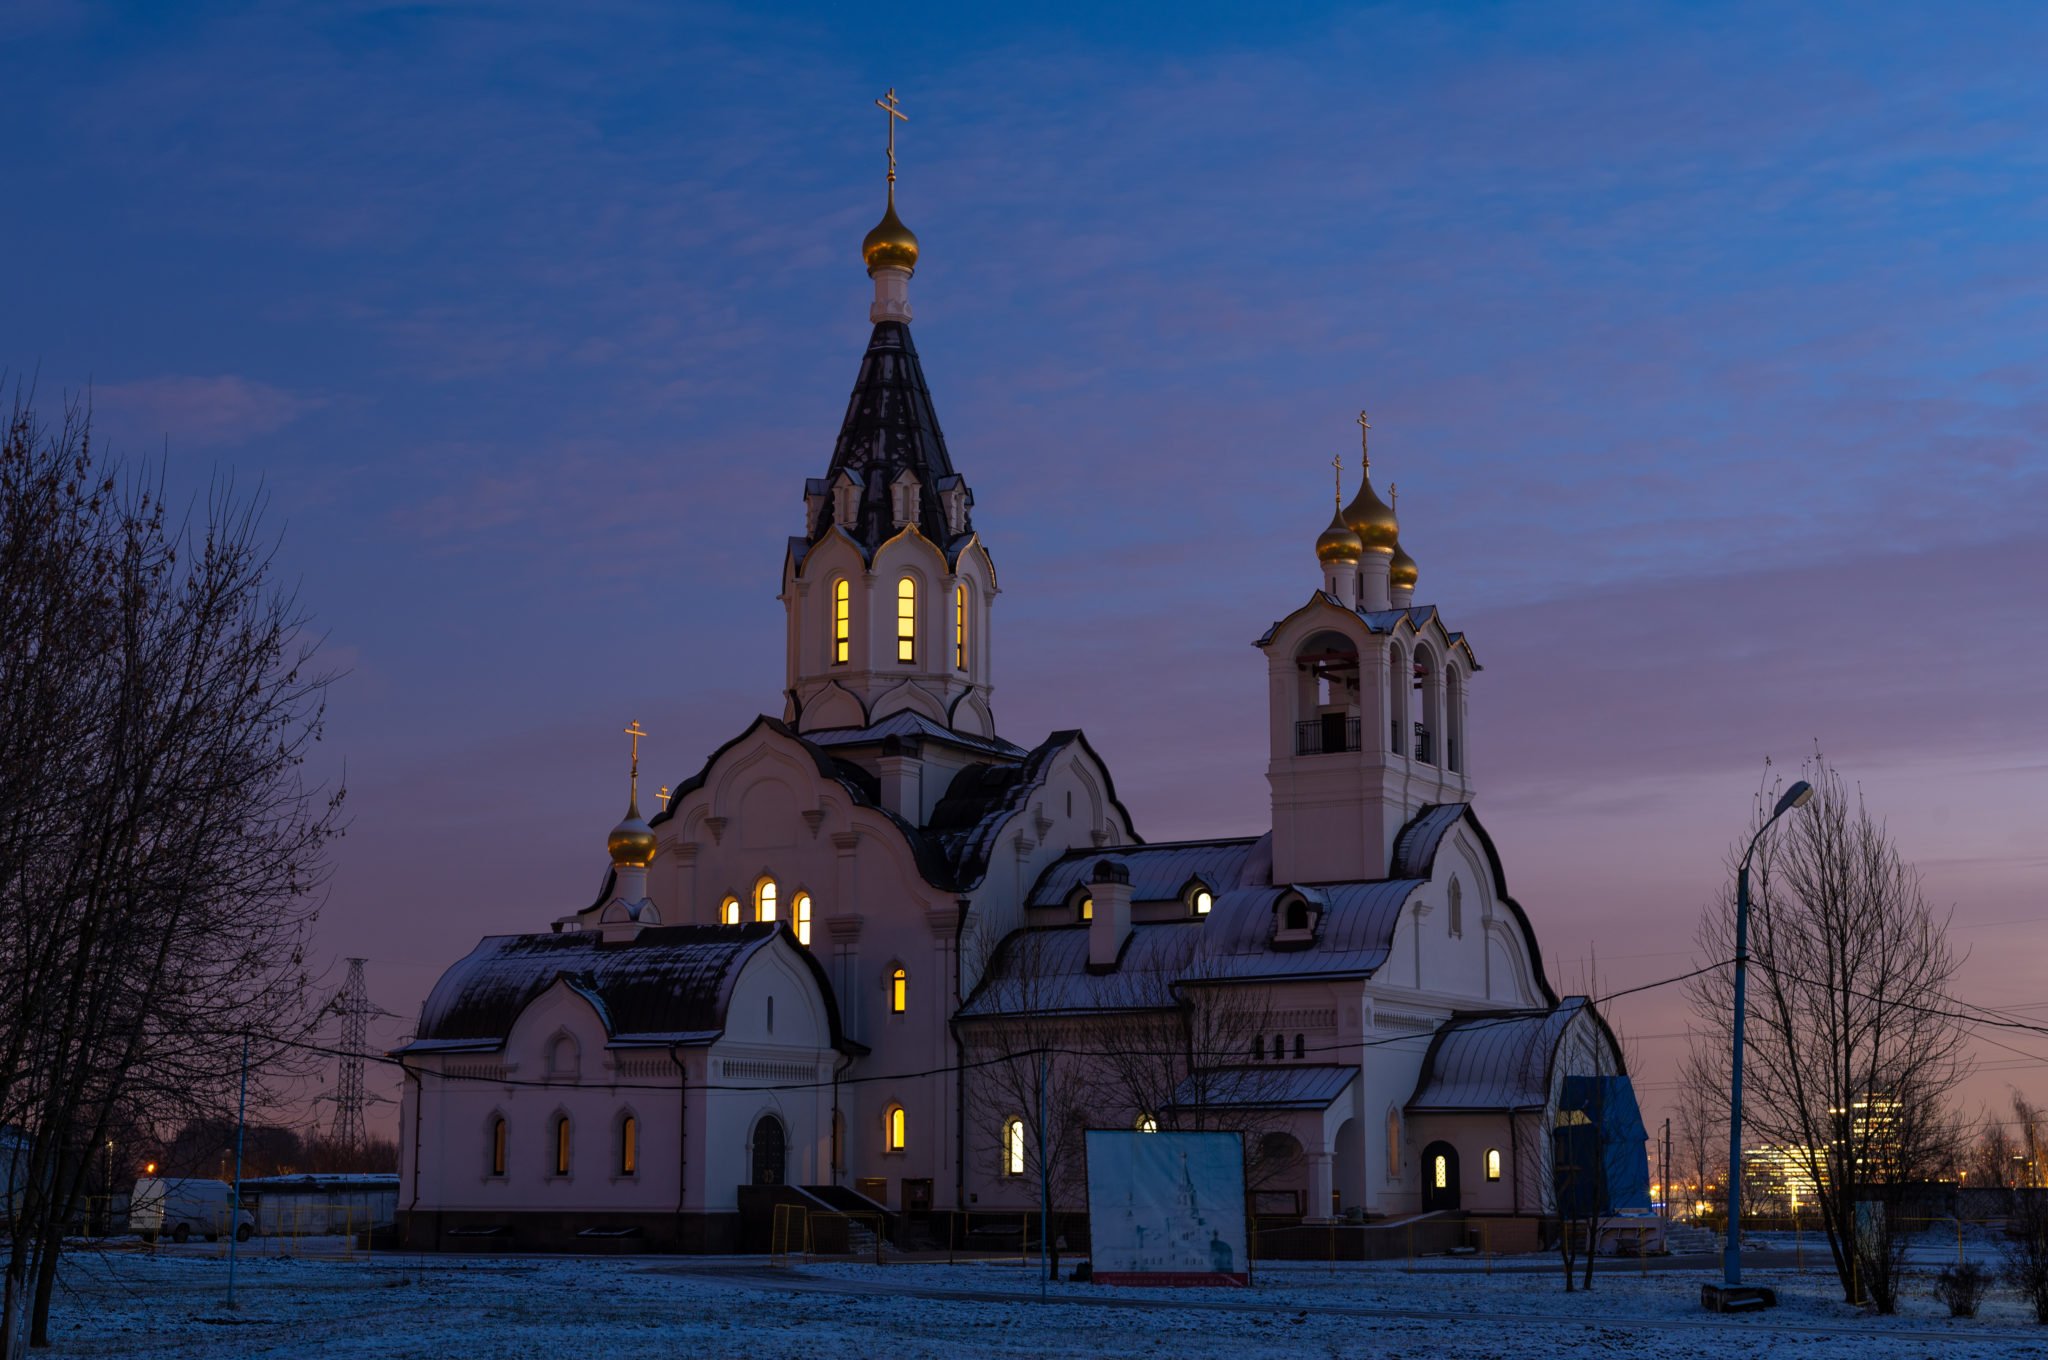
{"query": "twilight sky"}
pixel 1708 345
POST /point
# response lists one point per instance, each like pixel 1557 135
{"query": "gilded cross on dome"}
pixel 1337 463
pixel 887 104
pixel 1365 440
pixel 636 731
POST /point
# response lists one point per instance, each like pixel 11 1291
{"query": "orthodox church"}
pixel 836 968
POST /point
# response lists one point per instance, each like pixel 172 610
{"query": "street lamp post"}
pixel 1799 795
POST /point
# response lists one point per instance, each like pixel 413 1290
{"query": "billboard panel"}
pixel 1166 1208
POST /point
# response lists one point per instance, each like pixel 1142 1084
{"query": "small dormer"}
pixel 903 498
pixel 846 489
pixel 1295 920
pixel 1199 896
pixel 955 500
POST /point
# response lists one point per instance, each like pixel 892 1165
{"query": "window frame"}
pixel 1492 1164
pixel 767 898
pixel 960 626
pixel 1011 1157
pixel 729 911
pixel 899 990
pixel 895 1129
pixel 800 917
pixel 564 1144
pixel 629 1144
pixel 906 620
pixel 842 621
pixel 501 1137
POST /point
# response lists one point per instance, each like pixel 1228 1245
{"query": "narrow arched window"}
pixel 1457 908
pixel 906 619
pixel 1297 915
pixel 1279 1046
pixel 1440 1171
pixel 629 1146
pixel 1087 908
pixel 894 1129
pixel 764 900
pixel 1393 1144
pixel 729 912
pixel 561 1145
pixel 498 1146
pixel 1013 1147
pixel 1300 1046
pixel 771 1015
pixel 802 908
pixel 960 627
pixel 1258 1047
pixel 1493 1164
pixel 1205 901
pixel 842 621
pixel 899 991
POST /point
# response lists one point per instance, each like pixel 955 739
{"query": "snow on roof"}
pixel 1279 1086
pixel 1354 929
pixel 905 723
pixel 668 984
pixel 1045 970
pixel 1158 872
pixel 1494 1060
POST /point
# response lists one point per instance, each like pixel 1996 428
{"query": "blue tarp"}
pixel 1599 1161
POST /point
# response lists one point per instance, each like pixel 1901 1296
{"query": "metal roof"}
pixel 1158 872
pixel 1494 1060
pixel 1046 970
pixel 668 984
pixel 1275 1086
pixel 891 428
pixel 1415 847
pixel 1354 930
pixel 905 723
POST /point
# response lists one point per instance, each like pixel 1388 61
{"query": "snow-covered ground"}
pixel 132 1303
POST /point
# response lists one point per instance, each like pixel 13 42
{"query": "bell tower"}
pixel 1366 698
pixel 888 590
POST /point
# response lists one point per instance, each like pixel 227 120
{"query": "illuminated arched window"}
pixel 1440 1171
pixel 802 907
pixel 842 621
pixel 899 991
pixel 894 1131
pixel 1147 1124
pixel 1087 908
pixel 729 912
pixel 629 1146
pixel 906 619
pixel 1013 1147
pixel 960 627
pixel 1393 1144
pixel 764 900
pixel 498 1146
pixel 561 1145
pixel 1204 901
pixel 1493 1164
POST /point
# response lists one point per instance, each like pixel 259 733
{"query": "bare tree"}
pixel 1026 1060
pixel 1854 1049
pixel 2014 1158
pixel 157 846
pixel 1700 1125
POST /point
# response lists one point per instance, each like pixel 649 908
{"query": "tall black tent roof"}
pixel 890 428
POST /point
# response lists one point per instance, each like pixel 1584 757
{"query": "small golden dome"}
pixel 1371 518
pixel 1338 543
pixel 632 841
pixel 890 244
pixel 1401 571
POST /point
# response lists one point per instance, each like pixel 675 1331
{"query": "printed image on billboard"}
pixel 1166 1208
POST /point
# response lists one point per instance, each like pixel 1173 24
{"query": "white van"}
pixel 177 1209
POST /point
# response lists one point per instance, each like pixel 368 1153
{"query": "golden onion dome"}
pixel 1338 543
pixel 1401 571
pixel 891 245
pixel 631 842
pixel 1371 518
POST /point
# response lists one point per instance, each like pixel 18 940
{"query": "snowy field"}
pixel 132 1303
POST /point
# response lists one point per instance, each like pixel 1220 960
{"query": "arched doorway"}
pixel 770 1149
pixel 1439 1177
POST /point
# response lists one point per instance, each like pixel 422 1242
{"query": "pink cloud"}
pixel 193 411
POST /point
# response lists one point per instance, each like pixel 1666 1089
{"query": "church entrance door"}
pixel 771 1147
pixel 1439 1177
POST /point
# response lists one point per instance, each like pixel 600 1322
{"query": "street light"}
pixel 1798 796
